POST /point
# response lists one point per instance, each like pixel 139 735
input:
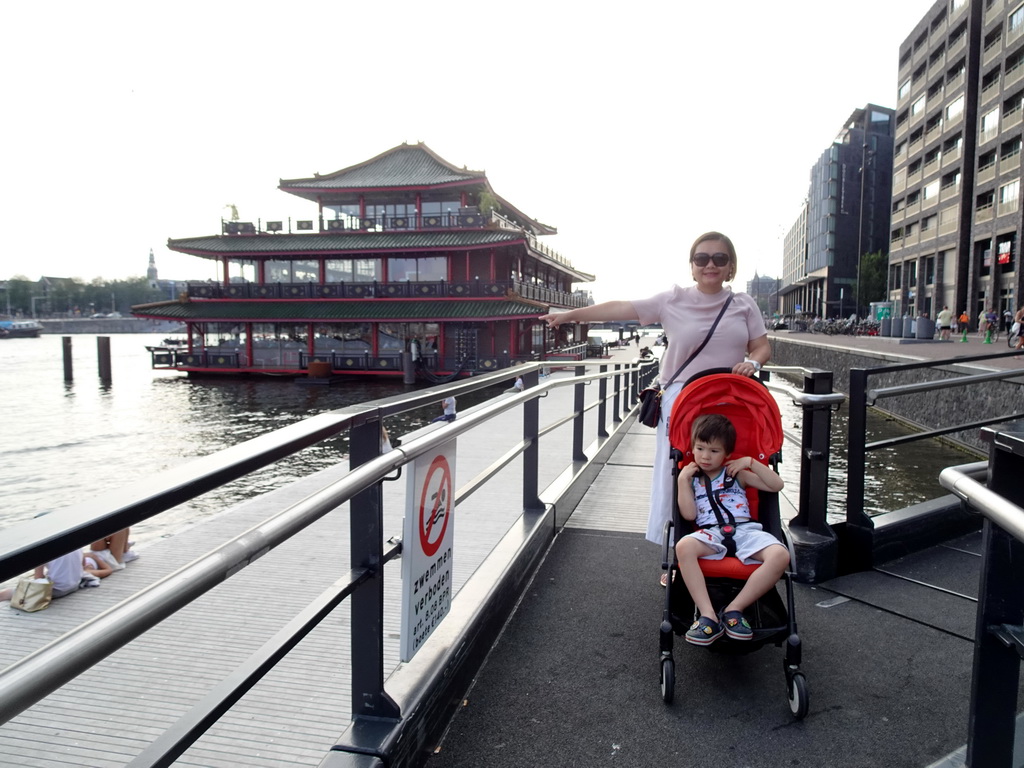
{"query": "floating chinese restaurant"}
pixel 406 254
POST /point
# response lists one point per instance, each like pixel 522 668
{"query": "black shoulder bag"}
pixel 650 398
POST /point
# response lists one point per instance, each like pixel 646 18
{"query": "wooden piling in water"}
pixel 103 352
pixel 69 373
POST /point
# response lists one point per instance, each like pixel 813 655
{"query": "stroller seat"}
pixel 749 405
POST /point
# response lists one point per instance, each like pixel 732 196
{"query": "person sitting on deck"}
pixel 713 479
pixel 115 550
pixel 448 408
pixel 66 572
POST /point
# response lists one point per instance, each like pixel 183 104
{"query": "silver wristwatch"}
pixel 757 365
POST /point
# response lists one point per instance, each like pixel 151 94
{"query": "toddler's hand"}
pixel 735 466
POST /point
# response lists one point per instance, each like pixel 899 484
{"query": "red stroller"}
pixel 748 404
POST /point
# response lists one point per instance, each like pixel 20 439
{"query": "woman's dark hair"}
pixel 713 427
pixel 729 247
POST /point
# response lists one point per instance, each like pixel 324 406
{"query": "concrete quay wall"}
pixel 101 325
pixel 929 410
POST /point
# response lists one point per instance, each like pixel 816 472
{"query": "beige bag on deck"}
pixel 32 594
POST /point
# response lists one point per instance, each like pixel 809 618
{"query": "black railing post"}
pixel 577 422
pixel 602 410
pixel 531 456
pixel 367 616
pixel 998 633
pixel 856 551
pixel 814 455
pixel 617 410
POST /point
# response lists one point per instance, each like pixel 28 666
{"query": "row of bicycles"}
pixel 843 327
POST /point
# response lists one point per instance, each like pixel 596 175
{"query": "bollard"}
pixel 103 352
pixel 69 374
pixel 963 339
pixel 408 369
pixel 988 337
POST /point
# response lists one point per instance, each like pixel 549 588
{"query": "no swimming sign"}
pixel 427 549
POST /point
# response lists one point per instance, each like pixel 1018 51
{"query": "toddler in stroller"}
pixel 724 430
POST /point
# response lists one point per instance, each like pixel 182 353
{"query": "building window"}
pixel 1008 194
pixel 904 89
pixel 956 5
pixel 917 107
pixel 1015 23
pixel 955 108
pixel 353 270
pixel 990 124
pixel 424 269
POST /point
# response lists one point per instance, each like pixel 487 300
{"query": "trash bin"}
pixel 925 328
pixel 886 328
pixel 908 328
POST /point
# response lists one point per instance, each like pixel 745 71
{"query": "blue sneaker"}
pixel 736 627
pixel 704 631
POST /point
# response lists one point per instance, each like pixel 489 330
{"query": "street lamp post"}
pixel 860 220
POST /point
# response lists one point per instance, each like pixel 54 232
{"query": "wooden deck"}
pixel 292 717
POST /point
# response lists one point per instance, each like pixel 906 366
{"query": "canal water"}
pixel 64 442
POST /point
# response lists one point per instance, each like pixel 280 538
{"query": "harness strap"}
pixel 721 512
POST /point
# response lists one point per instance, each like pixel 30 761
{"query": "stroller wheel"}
pixel 668 680
pixel 798 698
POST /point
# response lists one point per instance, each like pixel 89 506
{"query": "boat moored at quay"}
pixel 407 258
pixel 20 329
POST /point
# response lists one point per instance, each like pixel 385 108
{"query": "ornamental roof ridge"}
pixel 404 165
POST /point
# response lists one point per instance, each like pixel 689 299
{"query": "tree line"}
pixel 72 297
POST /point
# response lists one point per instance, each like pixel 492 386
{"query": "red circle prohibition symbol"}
pixel 440 501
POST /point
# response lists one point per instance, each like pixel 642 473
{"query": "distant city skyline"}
pixel 630 132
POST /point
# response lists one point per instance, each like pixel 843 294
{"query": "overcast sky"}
pixel 631 127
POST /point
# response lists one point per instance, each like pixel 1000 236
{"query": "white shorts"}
pixel 750 539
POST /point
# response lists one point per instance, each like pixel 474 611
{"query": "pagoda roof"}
pixel 343 242
pixel 406 167
pixel 352 243
pixel 354 310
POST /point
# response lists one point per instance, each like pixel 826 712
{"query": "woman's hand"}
pixel 746 368
pixel 554 320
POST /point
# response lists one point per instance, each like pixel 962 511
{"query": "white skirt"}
pixel 662 492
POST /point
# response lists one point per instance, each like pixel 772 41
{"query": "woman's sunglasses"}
pixel 702 259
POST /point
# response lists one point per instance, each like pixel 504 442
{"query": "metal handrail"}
pixel 962 481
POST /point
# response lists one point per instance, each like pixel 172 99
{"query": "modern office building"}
pixel 956 215
pixel 845 215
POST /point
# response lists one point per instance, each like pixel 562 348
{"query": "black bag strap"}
pixel 704 343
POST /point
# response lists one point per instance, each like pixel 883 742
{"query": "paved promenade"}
pixel 911 350
pixel 574 679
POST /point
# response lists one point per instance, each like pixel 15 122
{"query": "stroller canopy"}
pixel 746 402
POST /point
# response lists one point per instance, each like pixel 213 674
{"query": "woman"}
pixel 740 342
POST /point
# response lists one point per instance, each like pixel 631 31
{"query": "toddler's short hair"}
pixel 714 427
